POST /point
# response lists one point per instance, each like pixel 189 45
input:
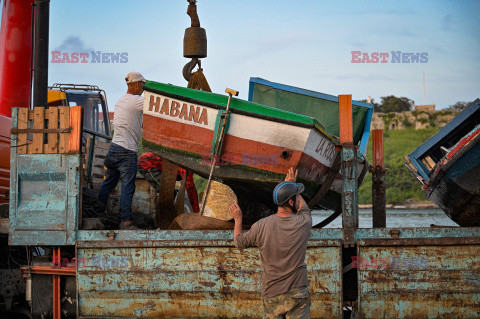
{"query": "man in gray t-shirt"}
pixel 282 239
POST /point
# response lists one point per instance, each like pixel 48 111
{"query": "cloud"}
pixel 446 22
pixel 73 44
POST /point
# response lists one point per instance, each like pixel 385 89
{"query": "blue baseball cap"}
pixel 286 190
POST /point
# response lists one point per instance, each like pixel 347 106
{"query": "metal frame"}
pixel 87 88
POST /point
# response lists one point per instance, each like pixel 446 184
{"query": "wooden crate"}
pixel 54 130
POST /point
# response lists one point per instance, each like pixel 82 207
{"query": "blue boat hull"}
pixel 448 165
pixel 456 187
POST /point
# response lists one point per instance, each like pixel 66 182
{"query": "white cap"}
pixel 134 77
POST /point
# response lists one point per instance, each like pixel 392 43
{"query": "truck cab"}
pixel 96 120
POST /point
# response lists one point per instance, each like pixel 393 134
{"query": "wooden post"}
pixel 165 210
pixel 22 123
pixel 64 124
pixel 346 119
pixel 38 123
pixel 75 137
pixel 378 182
pixel 52 146
pixel 349 170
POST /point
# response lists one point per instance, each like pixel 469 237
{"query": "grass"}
pixel 402 186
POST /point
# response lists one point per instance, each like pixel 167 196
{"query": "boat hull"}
pixel 455 185
pixel 257 150
pixel 448 165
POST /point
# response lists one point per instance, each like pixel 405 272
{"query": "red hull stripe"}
pixel 236 150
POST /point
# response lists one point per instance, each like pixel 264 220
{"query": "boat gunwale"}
pixel 315 125
pixel 362 141
pixel 310 93
pixel 450 159
pixel 416 155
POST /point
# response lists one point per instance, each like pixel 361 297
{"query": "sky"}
pixel 307 44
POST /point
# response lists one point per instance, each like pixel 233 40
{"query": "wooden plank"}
pixel 52 146
pixel 98 171
pixel 22 124
pixel 31 116
pixel 180 200
pixel 377 146
pixel 64 123
pixel 39 123
pixel 165 211
pixel 346 121
pixel 100 152
pixel 429 163
pixel 75 140
pixel 97 180
pixel 102 145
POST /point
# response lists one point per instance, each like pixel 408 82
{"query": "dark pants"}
pixel 121 164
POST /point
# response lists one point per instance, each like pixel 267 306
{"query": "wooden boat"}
pixel 323 107
pixel 448 165
pixel 181 125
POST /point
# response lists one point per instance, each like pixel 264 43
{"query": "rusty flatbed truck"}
pixel 395 273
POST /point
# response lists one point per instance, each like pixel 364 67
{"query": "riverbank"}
pixel 402 218
pixel 422 205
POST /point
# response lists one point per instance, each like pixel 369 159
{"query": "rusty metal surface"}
pixel 191 282
pixel 445 241
pixel 420 232
pixel 183 235
pixel 185 243
pixel 44 199
pixel 419 281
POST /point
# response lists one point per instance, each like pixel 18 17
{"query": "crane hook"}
pixel 188 68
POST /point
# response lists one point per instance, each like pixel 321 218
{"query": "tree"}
pixel 392 103
pixel 460 105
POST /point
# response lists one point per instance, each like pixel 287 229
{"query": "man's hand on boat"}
pixel 236 212
pixel 291 175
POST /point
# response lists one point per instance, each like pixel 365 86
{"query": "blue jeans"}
pixel 121 164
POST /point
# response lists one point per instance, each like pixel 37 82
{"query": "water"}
pixel 395 218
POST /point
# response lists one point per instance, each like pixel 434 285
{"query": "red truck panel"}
pixel 5 124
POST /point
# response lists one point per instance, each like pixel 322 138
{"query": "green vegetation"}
pixel 402 186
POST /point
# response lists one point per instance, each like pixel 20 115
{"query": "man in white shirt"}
pixel 121 159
